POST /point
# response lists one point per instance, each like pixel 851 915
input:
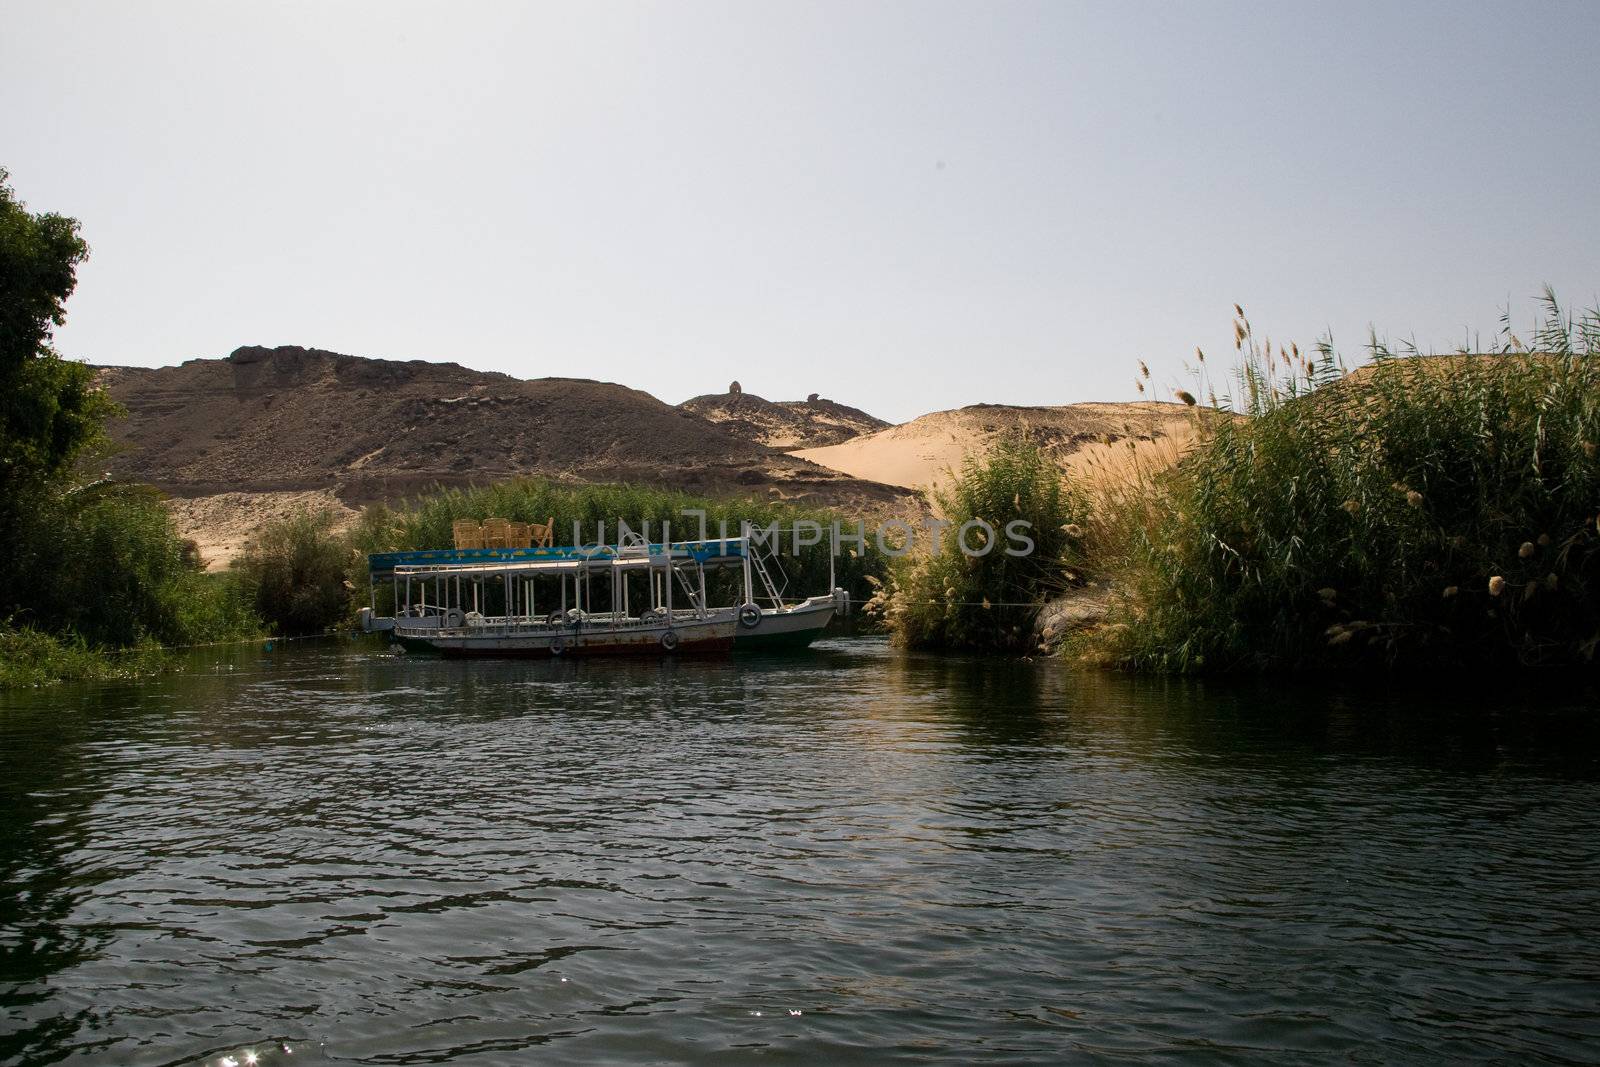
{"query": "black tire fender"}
pixel 749 616
pixel 669 640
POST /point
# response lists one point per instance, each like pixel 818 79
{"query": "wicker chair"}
pixel 496 533
pixel 467 533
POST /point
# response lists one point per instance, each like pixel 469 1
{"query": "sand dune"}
pixel 222 525
pixel 1091 440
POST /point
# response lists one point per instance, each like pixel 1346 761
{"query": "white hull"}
pixel 790 626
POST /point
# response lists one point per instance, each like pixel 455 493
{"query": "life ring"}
pixel 558 645
pixel 749 616
pixel 669 640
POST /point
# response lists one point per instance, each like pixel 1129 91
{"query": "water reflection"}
pixel 401 860
pixel 47 789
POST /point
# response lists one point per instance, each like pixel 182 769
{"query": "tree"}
pixel 50 409
pixel 98 563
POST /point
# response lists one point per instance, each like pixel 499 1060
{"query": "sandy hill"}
pixel 784 424
pixel 293 419
pixel 1094 440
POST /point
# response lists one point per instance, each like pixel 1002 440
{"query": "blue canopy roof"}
pixel 382 564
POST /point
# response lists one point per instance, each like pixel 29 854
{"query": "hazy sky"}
pixel 904 206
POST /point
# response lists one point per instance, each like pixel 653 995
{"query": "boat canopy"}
pixel 561 559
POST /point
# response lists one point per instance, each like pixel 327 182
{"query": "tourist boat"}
pixel 580 601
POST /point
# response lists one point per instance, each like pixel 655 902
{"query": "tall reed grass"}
pixel 1421 512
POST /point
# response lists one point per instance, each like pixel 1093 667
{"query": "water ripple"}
pixel 857 856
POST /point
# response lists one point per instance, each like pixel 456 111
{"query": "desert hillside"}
pixel 1094 440
pixel 239 440
pixel 784 424
pixel 293 419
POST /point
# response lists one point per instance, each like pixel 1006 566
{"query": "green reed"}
pixel 31 658
pixel 1424 511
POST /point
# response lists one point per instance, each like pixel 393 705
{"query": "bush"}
pixel 104 563
pixel 944 598
pixel 215 607
pixel 299 570
pixel 1421 512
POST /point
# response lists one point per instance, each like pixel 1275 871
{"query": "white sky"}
pixel 905 206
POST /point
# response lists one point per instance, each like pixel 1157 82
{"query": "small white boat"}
pixel 783 625
pixel 788 626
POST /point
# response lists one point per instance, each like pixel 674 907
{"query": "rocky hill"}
pixel 297 419
pixel 268 430
pixel 784 424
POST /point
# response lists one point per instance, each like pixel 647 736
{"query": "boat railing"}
pixel 475 623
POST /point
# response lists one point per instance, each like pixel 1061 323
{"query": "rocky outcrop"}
pixel 1082 608
pixel 783 424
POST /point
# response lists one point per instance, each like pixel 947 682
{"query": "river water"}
pixel 853 856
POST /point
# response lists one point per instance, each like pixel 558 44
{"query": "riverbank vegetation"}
pixel 31 658
pixel 971 585
pixel 97 582
pixel 103 563
pixel 93 579
pixel 297 573
pixel 1423 512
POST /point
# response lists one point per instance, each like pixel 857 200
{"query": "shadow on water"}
pixel 1553 726
pixel 1444 727
pixel 1004 701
